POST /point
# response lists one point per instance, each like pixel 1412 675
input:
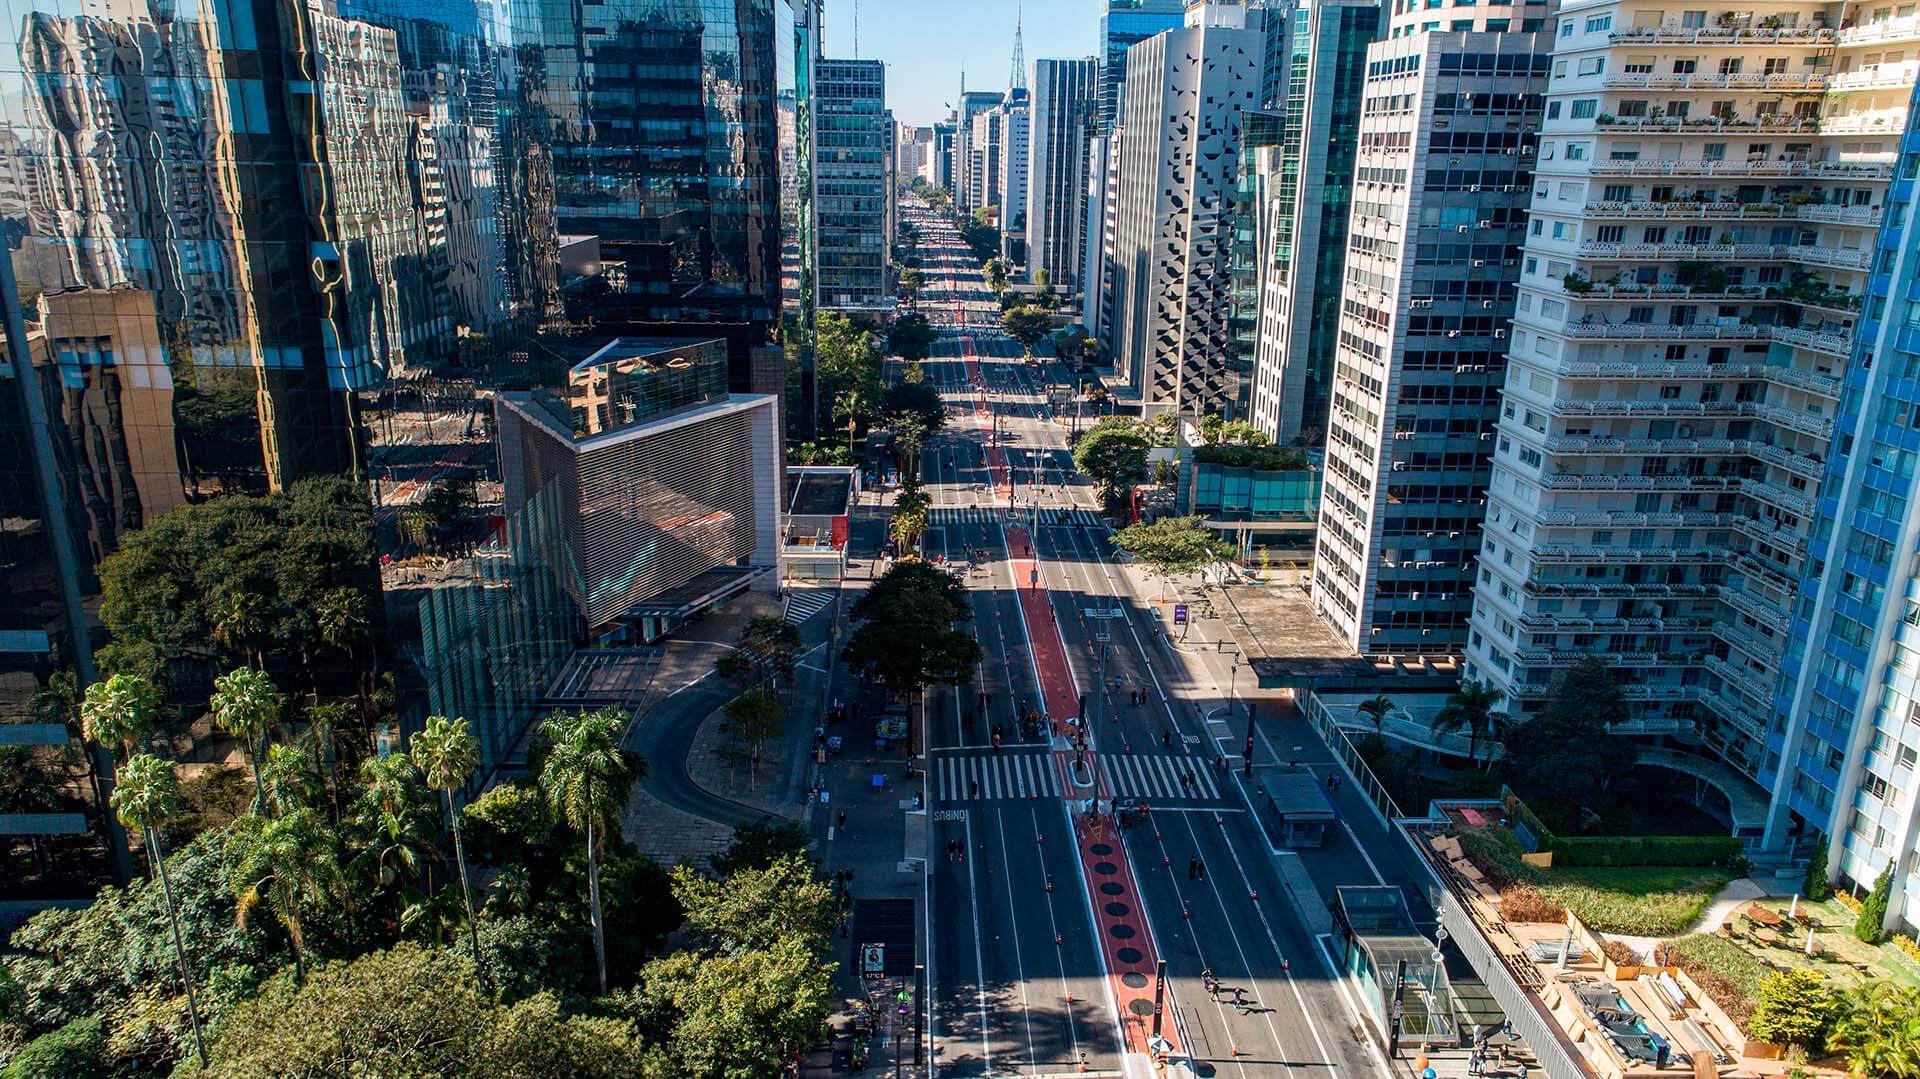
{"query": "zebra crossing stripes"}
pixel 1157 776
pixel 1051 516
pixel 963 515
pixel 804 603
pixel 996 775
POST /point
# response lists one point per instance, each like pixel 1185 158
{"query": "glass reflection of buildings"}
pixel 232 226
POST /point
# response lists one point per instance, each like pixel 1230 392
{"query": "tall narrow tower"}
pixel 1019 79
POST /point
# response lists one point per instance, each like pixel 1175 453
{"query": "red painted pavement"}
pixel 1125 939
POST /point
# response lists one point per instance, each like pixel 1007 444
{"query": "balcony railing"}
pixel 1759 490
pixel 1883 122
pixel 1698 166
pixel 1806 423
pixel 1721 35
pixel 1885 32
pixel 1879 77
pixel 1864 216
pixel 1812 382
pixel 1830 343
pixel 1804 253
pixel 1772 125
pixel 1713 81
pixel 1805 465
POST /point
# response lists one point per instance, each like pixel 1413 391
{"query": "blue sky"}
pixel 925 43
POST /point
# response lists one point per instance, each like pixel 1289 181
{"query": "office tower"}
pixel 1849 749
pixel 1062 117
pixel 915 144
pixel 1096 252
pixel 1177 168
pixel 941 159
pixel 969 154
pixel 1304 183
pixel 664 140
pixel 984 158
pixel 1447 140
pixel 851 168
pixel 1012 129
pixel 666 485
pixel 1699 240
pixel 1124 24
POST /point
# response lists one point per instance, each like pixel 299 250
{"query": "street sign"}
pixel 873 961
pixel 1179 614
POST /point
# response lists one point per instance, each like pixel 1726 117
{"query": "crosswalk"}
pixel 804 603
pixel 1028 773
pixel 983 515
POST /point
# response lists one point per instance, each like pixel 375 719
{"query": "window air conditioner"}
pixel 1486 224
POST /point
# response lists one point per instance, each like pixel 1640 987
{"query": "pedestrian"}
pixel 1193 868
pixel 973 788
pixel 1166 737
pixel 1329 781
pixel 1200 869
pixel 842 820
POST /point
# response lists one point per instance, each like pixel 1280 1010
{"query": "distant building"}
pixel 1062 116
pixel 940 161
pixel 1125 24
pixel 1174 208
pixel 852 177
pixel 969 155
pixel 1013 120
pixel 915 151
pixel 667 486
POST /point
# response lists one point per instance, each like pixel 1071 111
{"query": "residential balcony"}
pixel 1884 32
pixel 1618 589
pixel 1836 258
pixel 1736 710
pixel 1822 383
pixel 1759 490
pixel 1699 166
pixel 1577 553
pixel 1728 210
pixel 1878 77
pixel 1712 81
pixel 1767 125
pixel 1746 602
pixel 1798 420
pixel 1721 35
pixel 1833 344
pixel 1574 622
pixel 1880 122
pixel 1805 465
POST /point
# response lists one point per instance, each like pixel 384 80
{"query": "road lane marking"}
pixel 979 960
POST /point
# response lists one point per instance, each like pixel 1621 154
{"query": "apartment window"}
pixel 1679 109
pixel 1685 67
pixel 1669 393
pixel 1553 110
pixel 1714 151
pixel 1654 234
pixel 1566 27
pixel 1633 108
pixel 1874 785
pixel 1597 23
pixel 1693 20
pixel 1559 69
pixel 1730 65
pixel 1577 151
pixel 1617 193
pixel 1464 26
pixel 1639 65
pixel 1611 234
pixel 1585 108
pixel 1562 230
pixel 1593 65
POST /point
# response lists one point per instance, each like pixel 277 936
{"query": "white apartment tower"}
pixel 1012 132
pixel 1174 207
pixel 1449 126
pixel 1065 99
pixel 1702 223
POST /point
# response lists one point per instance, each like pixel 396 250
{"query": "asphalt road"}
pixel 1013 923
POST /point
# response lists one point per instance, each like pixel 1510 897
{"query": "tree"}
pixel 145 799
pixel 77 1050
pixel 1878 1030
pixel 1045 297
pixel 120 712
pixel 915 413
pixel 1795 1007
pixel 754 716
pixel 1871 926
pixel 1472 706
pixel 911 281
pixel 447 755
pixel 757 907
pixel 246 705
pixel 1026 325
pixel 1116 459
pixel 760 844
pixel 1564 757
pixel 1376 709
pixel 1173 546
pixel 1817 887
pixel 738 1014
pixel 907 636
pixel 995 272
pixel 587 778
pixel 813 453
pixel 290 779
pixel 911 336
pixel 847 363
pixel 289 865
pixel 909 518
pixel 767 654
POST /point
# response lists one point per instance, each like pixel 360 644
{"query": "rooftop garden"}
pixel 1261 458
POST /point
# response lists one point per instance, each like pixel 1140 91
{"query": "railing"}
pixel 1906 28
pixel 1702 167
pixel 1718 125
pixel 1726 209
pixel 1881 77
pixel 1606 446
pixel 1805 423
pixel 1825 385
pixel 1343 748
pixel 1711 81
pixel 1721 35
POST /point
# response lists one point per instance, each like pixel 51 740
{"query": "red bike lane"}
pixel 1126 940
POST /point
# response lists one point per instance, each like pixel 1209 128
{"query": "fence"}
pixel 1343 748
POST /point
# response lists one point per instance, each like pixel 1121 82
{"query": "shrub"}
pixel 1615 850
pixel 1621 953
pixel 1873 909
pixel 1497 855
pixel 1727 975
pixel 1817 887
pixel 1524 903
pixel 1259 458
pixel 1906 944
pixel 74 1051
pixel 1848 900
pixel 1643 901
pixel 1795 1008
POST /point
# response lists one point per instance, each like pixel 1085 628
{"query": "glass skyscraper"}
pixel 1125 24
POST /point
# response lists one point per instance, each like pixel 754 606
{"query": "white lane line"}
pixel 1212 883
pixel 979 959
pixel 1059 951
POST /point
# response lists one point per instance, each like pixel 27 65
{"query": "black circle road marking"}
pixel 1113 888
pixel 1105 869
pixel 1132 979
pixel 1119 910
pixel 1123 932
pixel 1101 849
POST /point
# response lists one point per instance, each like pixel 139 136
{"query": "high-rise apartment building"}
pixel 1448 131
pixel 1124 24
pixel 1701 232
pixel 1096 297
pixel 983 161
pixel 1013 125
pixel 1299 206
pixel 852 134
pixel 941 163
pixel 1176 175
pixel 1846 729
pixel 1062 123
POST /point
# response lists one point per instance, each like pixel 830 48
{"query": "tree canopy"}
pixel 911 336
pixel 1114 457
pixel 1563 757
pixel 1026 325
pixel 907 635
pixel 1173 545
pixel 847 362
pixel 915 413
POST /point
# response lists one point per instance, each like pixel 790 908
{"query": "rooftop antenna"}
pixel 856 29
pixel 1019 80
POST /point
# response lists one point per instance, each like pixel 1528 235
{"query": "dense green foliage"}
pixel 1871 926
pixel 847 362
pixel 1676 850
pixel 908 635
pixel 1728 974
pixel 1817 886
pixel 1260 458
pixel 1795 1007
pixel 1026 325
pixel 1877 1030
pixel 1173 545
pixel 1115 458
pixel 1563 759
pixel 75 1051
pixel 1637 900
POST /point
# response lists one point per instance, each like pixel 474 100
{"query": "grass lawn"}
pixel 1883 962
pixel 1645 901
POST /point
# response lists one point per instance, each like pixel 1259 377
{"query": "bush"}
pixel 1816 886
pixel 1621 953
pixel 1728 975
pixel 1642 901
pixel 75 1051
pixel 1524 903
pixel 1795 1008
pixel 1496 854
pixel 1259 458
pixel 1617 850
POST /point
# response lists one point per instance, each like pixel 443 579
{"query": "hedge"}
pixel 1619 850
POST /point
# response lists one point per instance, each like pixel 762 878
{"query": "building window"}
pixel 1585 108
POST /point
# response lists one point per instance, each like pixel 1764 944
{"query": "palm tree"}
pixel 587 777
pixel 448 754
pixel 1472 707
pixel 239 621
pixel 341 617
pixel 1878 1031
pixel 120 711
pixel 289 865
pixel 290 780
pixel 246 705
pixel 1376 709
pixel 147 797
